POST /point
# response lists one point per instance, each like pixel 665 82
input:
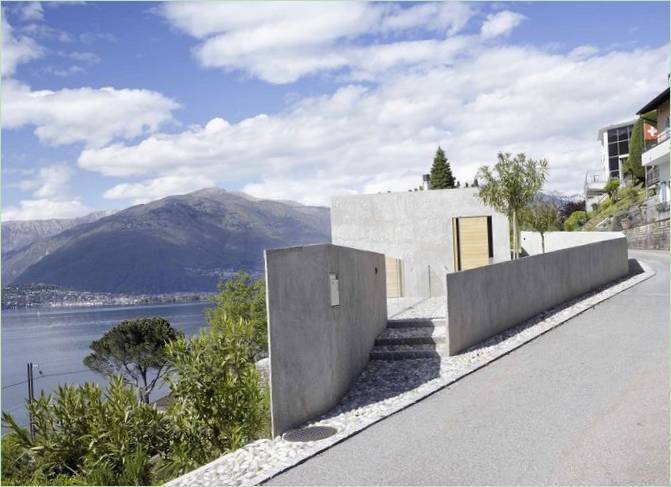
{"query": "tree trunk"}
pixel 515 234
pixel 543 242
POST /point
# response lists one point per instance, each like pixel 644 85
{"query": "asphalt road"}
pixel 586 403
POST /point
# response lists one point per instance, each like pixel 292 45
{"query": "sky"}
pixel 110 104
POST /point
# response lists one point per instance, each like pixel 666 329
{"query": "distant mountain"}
pixel 183 243
pixel 20 233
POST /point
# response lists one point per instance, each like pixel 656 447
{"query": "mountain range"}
pixel 184 243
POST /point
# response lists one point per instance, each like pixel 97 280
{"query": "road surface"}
pixel 586 403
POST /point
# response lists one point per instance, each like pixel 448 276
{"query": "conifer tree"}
pixel 441 173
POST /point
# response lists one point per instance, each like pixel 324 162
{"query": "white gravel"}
pixel 386 387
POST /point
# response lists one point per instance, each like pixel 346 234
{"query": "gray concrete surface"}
pixel 485 301
pixel 317 350
pixel 531 241
pixel 415 227
pixel 587 403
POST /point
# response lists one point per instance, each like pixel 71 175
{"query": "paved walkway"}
pixel 585 403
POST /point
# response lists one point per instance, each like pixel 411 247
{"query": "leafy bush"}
pixel 84 436
pixel 218 404
pixel 243 298
pixel 575 221
pixel 611 187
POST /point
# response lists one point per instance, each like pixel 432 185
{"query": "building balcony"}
pixel 659 153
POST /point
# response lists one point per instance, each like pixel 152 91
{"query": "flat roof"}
pixel 655 102
pixel 613 126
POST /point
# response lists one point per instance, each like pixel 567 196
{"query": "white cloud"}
pixel 16 50
pixel 158 188
pixel 31 11
pixel 500 24
pixel 51 195
pixel 43 209
pixel 368 138
pixel 95 116
pixel 280 42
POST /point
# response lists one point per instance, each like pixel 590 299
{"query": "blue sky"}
pixel 115 103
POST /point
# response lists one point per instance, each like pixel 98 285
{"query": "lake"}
pixel 58 339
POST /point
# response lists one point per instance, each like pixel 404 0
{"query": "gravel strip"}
pixel 386 387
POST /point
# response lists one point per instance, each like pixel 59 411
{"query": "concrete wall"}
pixel 531 241
pixel 316 349
pixel 485 301
pixel 415 227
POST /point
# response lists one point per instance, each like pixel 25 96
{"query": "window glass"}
pixel 613 164
pixel 612 136
pixel 622 133
pixel 612 149
pixel 623 147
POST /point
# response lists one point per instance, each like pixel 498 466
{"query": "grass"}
pixel 618 205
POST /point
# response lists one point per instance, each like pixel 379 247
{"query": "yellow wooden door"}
pixel 473 238
pixel 394 278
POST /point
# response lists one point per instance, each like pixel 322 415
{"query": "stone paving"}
pixel 386 387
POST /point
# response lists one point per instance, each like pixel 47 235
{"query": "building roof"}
pixel 613 126
pixel 656 102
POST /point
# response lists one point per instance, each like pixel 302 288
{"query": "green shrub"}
pixel 611 187
pixel 575 221
pixel 218 403
pixel 84 436
pixel 244 298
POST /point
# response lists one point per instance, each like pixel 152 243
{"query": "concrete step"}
pixel 404 352
pixel 417 323
pixel 412 336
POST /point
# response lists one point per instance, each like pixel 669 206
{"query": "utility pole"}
pixel 31 396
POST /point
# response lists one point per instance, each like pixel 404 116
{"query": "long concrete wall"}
pixel 531 241
pixel 318 349
pixel 485 301
pixel 415 227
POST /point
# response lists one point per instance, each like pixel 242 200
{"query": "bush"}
pixel 243 298
pixel 611 187
pixel 218 404
pixel 83 436
pixel 575 221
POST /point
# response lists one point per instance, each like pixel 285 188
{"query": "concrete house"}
pixel 423 235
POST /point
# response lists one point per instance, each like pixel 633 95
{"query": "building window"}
pixel 618 145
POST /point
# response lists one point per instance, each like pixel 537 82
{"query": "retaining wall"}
pixel 653 236
pixel 531 241
pixel 316 349
pixel 485 301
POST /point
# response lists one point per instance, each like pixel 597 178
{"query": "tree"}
pixel 134 349
pixel 218 402
pixel 243 297
pixel 541 217
pixel 611 187
pixel 441 173
pixel 511 185
pixel 567 208
pixel 632 165
pixel 475 183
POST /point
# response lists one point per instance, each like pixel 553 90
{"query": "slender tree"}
pixel 511 185
pixel 541 217
pixel 135 350
pixel 475 182
pixel 441 172
pixel 632 166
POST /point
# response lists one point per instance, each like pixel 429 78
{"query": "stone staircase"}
pixel 411 339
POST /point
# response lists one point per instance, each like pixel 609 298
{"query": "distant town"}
pixel 47 296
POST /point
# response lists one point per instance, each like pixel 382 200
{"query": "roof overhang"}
pixel 655 102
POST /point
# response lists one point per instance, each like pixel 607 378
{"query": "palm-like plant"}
pixel 510 186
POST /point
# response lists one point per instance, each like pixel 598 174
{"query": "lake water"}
pixel 58 340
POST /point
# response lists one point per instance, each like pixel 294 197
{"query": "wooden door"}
pixel 394 277
pixel 472 238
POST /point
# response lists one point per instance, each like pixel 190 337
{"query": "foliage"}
pixel 132 349
pixel 83 436
pixel 218 403
pixel 611 187
pixel 441 172
pixel 575 221
pixel 243 298
pixel 475 182
pixel 568 208
pixel 540 217
pixel 632 166
pixel 511 185
pixel 619 206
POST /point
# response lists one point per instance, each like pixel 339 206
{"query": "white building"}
pixel 655 158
